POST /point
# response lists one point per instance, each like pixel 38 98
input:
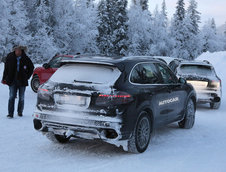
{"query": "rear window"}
pixel 196 70
pixel 86 73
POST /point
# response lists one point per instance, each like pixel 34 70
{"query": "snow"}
pixel 171 149
pixel 81 73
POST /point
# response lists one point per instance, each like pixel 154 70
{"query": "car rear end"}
pixel 204 80
pixel 81 100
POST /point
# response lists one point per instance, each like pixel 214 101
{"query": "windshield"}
pixel 196 70
pixel 86 74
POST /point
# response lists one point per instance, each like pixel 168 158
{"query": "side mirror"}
pixel 46 65
pixel 182 81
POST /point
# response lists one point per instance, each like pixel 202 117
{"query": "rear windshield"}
pixel 196 70
pixel 86 74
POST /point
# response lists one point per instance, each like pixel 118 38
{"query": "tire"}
pixel 57 138
pixel 140 139
pixel 189 119
pixel 35 83
pixel 215 105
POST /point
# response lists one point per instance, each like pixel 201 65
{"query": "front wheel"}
pixel 35 83
pixel 140 139
pixel 189 119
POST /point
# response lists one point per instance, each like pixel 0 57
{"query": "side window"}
pixel 167 76
pixel 55 62
pixel 145 73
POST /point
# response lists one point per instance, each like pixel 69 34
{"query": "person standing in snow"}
pixel 18 69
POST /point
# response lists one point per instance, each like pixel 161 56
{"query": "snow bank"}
pixel 218 60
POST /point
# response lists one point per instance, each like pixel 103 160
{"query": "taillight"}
pixel 44 93
pixel 113 99
pixel 214 84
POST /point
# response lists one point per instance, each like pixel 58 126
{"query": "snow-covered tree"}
pixel 139 30
pixel 85 27
pixel 178 30
pixel 194 14
pixel 164 13
pixel 142 3
pixel 191 22
pixel 224 37
pixel 112 36
pixel 64 29
pixel 162 43
pixel 42 45
pixel 18 24
pixel 211 41
pixel 4 28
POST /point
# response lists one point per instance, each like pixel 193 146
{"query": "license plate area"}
pixel 76 100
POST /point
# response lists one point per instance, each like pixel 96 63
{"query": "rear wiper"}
pixel 86 82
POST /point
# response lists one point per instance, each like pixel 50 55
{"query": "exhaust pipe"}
pixel 217 99
pixel 37 124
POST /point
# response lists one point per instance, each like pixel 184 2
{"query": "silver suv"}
pixel 202 76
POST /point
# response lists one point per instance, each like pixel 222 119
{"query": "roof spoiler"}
pixel 205 61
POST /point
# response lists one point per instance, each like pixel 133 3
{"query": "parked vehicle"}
pixel 42 74
pixel 119 101
pixel 202 76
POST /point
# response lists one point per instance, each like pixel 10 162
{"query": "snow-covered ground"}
pixel 202 148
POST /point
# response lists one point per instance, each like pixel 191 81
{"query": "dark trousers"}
pixel 12 96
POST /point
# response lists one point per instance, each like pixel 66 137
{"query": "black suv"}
pixel 120 101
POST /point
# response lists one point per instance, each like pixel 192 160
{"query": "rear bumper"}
pixel 208 96
pixel 79 125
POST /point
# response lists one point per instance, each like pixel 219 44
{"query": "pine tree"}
pixel 85 30
pixel 142 3
pixel 194 15
pixel 213 26
pixel 192 42
pixel 164 13
pixel 225 29
pixel 64 29
pixel 112 36
pixel 43 32
pixel 4 28
pixel 18 23
pixel 224 37
pixel 210 40
pixel 161 41
pixel 177 31
pixel 139 37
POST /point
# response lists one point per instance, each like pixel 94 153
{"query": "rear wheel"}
pixel 189 119
pixel 215 105
pixel 35 83
pixel 140 139
pixel 57 138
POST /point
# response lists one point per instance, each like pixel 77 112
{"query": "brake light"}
pixel 113 99
pixel 115 96
pixel 41 89
pixel 214 84
pixel 44 94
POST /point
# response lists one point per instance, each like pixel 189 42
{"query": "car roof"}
pixel 117 61
pixel 196 62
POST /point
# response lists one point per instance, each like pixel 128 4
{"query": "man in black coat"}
pixel 18 69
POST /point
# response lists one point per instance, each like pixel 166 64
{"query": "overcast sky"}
pixel 209 9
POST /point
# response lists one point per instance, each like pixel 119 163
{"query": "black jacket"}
pixel 10 71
